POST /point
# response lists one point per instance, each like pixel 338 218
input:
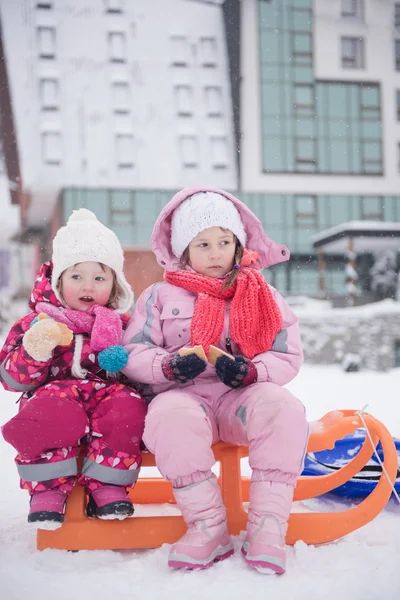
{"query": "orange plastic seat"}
pixel 79 533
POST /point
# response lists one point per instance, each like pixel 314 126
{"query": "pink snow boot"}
pixel 109 502
pixel 47 508
pixel 269 510
pixel 207 539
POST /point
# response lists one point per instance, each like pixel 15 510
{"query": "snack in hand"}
pixel 198 350
pixel 215 353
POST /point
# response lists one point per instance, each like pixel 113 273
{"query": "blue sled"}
pixel 328 461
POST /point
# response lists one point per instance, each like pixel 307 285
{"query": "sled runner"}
pixel 79 532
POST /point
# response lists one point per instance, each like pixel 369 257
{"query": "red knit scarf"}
pixel 255 318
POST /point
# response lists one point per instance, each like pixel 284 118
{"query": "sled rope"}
pixel 360 414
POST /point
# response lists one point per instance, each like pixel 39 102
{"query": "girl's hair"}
pixel 237 257
pixel 115 290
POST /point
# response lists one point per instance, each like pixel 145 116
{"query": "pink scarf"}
pixel 104 324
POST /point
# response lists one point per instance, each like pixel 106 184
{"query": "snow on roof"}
pixel 368 236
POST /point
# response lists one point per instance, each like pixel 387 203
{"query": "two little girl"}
pixel 212 248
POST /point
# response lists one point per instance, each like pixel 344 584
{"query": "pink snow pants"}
pixel 50 423
pixel 183 423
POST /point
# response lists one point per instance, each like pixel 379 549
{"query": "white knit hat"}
pixel 199 212
pixel 83 239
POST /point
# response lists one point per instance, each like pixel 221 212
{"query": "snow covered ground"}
pixel 363 566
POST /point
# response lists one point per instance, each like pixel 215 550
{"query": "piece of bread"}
pixel 198 350
pixel 215 352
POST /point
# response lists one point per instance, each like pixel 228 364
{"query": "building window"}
pixel 208 52
pixel 397 14
pixel 213 98
pixel 352 53
pixel 43 4
pixel 370 104
pixel 398 104
pixel 121 100
pixel 122 210
pixel 117 47
pixel 397 52
pixel 302 49
pixel 371 155
pixel 51 148
pixel 353 8
pixel 46 39
pixel 184 100
pixel 372 208
pixel 49 94
pixel 219 152
pixel 305 153
pixel 304 100
pixel 114 6
pixel 124 144
pixel 306 211
pixel 189 151
pixel 180 51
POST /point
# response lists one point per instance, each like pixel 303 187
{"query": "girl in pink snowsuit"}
pixel 65 356
pixel 212 248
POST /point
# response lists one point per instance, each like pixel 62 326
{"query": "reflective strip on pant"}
pixel 109 474
pixel 49 470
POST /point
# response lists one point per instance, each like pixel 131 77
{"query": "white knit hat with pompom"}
pixel 84 239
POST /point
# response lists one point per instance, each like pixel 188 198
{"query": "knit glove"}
pixel 182 368
pixel 43 336
pixel 236 372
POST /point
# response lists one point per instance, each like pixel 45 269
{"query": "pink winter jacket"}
pixel 19 372
pixel 160 324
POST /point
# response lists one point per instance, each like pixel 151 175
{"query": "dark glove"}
pixel 182 368
pixel 236 373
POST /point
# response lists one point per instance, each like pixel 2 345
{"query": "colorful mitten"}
pixel 182 368
pixel 66 334
pixel 43 336
pixel 236 373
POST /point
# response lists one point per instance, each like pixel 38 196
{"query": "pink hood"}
pixel 270 253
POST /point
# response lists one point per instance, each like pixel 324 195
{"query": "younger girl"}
pixel 64 357
pixel 212 248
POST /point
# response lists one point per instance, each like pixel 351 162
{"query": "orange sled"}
pixel 80 533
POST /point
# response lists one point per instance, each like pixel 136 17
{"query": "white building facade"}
pixel 320 110
pixel 118 94
pixel 292 104
pixel 321 96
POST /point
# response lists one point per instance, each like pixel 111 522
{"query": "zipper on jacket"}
pixel 228 345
